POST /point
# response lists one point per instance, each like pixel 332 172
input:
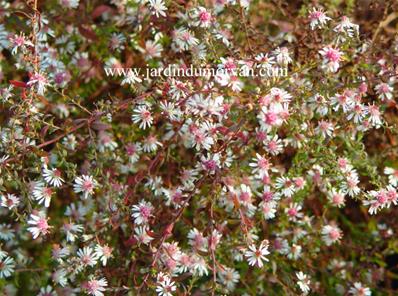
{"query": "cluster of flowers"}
pixel 225 184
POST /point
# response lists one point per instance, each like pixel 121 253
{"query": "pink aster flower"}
pixel 19 41
pixel 95 287
pixel 142 212
pixel 39 225
pixel 40 81
pixel 202 17
pixel 317 18
pixel 331 234
pixel 86 185
pixel 331 58
pixel 385 91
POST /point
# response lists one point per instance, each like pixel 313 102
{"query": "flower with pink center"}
pixel 143 116
pixel 42 193
pixel 392 176
pixel 374 116
pixel 142 212
pixel 151 144
pixel 270 118
pixel 87 256
pixel 210 163
pixel 165 286
pixel 235 83
pixel 325 128
pixel 72 230
pixel 293 212
pixel 52 176
pixel 357 113
pixel 95 287
pixel 9 201
pixel 331 234
pixel 344 164
pixel 143 235
pixel 158 7
pixel 359 290
pixel 286 185
pixel 86 185
pixel 268 209
pixel 184 39
pixel 336 198
pixel 39 225
pixel 260 166
pixel 255 256
pixel 282 56
pixel 347 27
pixel 174 197
pixel 273 115
pixel 350 186
pixel 317 18
pixel 261 136
pixel 152 49
pixel 200 139
pixel 273 145
pixel 392 194
pixel 385 91
pixel 331 58
pixel 279 95
pixel 133 151
pixel 269 195
pixel 197 240
pixel 381 197
pixel 344 101
pixel 19 41
pixel 214 239
pixel 245 195
pixel 170 255
pixel 40 81
pixel 202 17
pixel 103 252
pixel 228 65
pixel 299 183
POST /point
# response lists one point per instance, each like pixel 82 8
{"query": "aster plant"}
pixel 116 182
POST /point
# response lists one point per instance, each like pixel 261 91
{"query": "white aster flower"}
pixel 392 176
pixel 7 266
pixel 40 81
pixel 42 193
pixel 39 225
pixel 165 286
pixel 318 18
pixel 158 7
pixel 359 290
pixel 72 230
pixel 96 287
pixel 52 176
pixel 10 201
pixel 256 256
pixel 142 212
pixel 142 116
pixel 303 282
pixel 87 256
pixel 86 185
pixel 103 252
pixel 142 235
pixel 331 234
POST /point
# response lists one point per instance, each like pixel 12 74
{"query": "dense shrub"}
pixel 118 184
